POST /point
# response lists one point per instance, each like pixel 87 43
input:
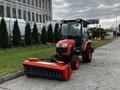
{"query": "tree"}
pixel 50 34
pixel 16 34
pixel 56 33
pixel 3 34
pixel 28 34
pixel 97 32
pixel 119 27
pixel 43 35
pixel 103 33
pixel 35 36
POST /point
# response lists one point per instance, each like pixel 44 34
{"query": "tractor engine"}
pixel 64 49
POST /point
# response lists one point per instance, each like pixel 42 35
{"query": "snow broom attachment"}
pixel 34 67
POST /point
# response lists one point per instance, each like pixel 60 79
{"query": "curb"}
pixel 11 76
pixel 21 72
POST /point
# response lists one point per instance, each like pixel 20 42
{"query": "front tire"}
pixel 75 62
pixel 87 55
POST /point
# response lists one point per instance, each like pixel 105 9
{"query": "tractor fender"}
pixel 85 44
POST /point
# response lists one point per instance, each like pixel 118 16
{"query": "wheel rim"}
pixel 90 55
pixel 77 62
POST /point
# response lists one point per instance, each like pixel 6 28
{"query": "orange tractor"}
pixel 74 42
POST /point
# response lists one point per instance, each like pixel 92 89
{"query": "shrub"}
pixel 43 35
pixel 35 36
pixel 3 34
pixel 28 34
pixel 16 34
pixel 50 34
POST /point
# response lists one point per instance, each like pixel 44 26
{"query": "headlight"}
pixel 64 45
pixel 57 45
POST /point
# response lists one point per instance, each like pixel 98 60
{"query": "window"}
pixel 19 0
pixel 36 3
pixel 8 12
pixel 46 5
pixel 49 1
pixel 32 2
pixel 14 12
pixel 40 3
pixel 1 11
pixel 36 17
pixel 43 4
pixel 19 14
pixel 85 32
pixel 46 18
pixel 24 14
pixel 29 16
pixel 43 18
pixel 28 2
pixel 71 29
pixel 49 17
pixel 33 17
pixel 24 1
pixel 40 17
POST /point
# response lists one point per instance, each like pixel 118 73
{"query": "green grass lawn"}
pixel 11 59
pixel 101 42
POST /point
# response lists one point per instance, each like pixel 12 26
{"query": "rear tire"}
pixel 87 55
pixel 75 62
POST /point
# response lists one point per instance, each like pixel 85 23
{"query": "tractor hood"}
pixel 66 42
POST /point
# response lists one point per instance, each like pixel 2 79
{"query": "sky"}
pixel 105 10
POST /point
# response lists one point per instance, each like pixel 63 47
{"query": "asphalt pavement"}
pixel 103 73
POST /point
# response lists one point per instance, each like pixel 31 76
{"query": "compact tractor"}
pixel 75 41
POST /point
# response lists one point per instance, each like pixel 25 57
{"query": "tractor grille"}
pixel 61 50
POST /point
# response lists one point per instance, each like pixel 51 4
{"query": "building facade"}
pixel 38 11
